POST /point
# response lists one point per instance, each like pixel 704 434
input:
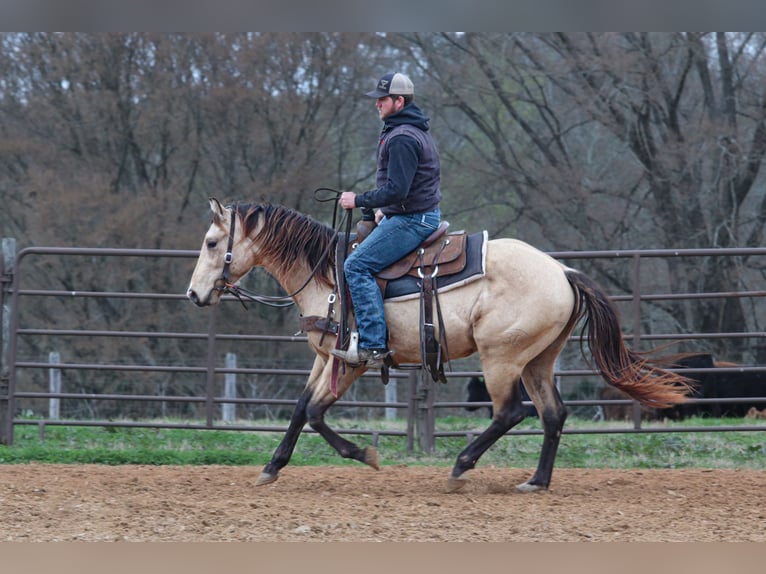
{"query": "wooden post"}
pixel 54 385
pixel 229 410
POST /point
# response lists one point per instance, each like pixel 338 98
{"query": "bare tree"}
pixel 118 140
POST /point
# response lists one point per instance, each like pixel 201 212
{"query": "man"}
pixel 407 202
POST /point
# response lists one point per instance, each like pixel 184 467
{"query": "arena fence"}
pixel 420 405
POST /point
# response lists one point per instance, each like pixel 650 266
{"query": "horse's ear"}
pixel 216 207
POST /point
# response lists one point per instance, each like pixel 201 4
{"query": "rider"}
pixel 407 200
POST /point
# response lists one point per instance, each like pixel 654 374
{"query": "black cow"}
pixel 723 386
pixel 710 385
pixel 477 393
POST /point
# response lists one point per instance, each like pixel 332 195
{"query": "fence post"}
pixel 7 265
pixel 412 387
pixel 54 385
pixel 425 419
pixel 229 410
pixel 391 398
pixel 636 307
pixel 210 383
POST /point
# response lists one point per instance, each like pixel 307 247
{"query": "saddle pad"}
pixel 408 287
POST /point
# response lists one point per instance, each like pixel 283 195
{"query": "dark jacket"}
pixel 408 167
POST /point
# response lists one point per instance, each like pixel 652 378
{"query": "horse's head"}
pixel 292 247
pixel 222 260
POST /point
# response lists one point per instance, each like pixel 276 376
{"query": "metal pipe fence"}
pixel 419 409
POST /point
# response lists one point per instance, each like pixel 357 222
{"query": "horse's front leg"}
pixel 284 451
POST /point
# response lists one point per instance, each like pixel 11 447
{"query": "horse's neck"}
pixel 312 299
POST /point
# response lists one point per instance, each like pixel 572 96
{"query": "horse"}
pixel 518 316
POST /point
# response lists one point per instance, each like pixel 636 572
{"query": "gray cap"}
pixel 393 84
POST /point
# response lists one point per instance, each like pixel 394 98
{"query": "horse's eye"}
pixel 211 244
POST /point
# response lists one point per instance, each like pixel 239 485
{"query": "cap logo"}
pixel 392 84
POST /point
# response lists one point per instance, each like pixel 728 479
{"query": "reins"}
pixel 224 285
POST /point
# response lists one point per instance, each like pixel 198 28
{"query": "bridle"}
pixel 223 284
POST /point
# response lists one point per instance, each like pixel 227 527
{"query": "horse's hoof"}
pixel 266 478
pixel 527 487
pixel 371 457
pixel 456 483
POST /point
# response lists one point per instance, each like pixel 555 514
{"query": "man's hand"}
pixel 378 216
pixel 348 200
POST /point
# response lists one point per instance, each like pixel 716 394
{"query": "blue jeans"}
pixel 392 239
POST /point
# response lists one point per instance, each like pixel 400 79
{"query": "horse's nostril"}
pixel 192 295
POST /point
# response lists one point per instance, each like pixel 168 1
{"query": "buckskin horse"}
pixel 518 316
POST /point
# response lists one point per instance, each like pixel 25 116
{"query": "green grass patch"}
pixel 149 446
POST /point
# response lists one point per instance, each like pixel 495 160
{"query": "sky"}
pixel 391 15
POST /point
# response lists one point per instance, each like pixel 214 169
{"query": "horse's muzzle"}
pixel 192 294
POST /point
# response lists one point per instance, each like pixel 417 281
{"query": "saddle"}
pixel 441 253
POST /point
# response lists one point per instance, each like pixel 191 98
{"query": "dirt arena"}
pixel 41 502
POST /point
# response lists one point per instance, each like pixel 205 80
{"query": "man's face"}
pixel 388 105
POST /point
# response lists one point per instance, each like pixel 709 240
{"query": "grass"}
pixel 115 446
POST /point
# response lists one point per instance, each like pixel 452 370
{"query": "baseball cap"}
pixel 393 84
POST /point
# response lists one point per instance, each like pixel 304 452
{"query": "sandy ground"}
pixel 396 504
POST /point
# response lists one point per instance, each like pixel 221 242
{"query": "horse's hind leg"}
pixel 347 449
pixel 539 382
pixel 508 412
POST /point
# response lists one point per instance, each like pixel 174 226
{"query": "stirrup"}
pixel 354 356
pixel 351 353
